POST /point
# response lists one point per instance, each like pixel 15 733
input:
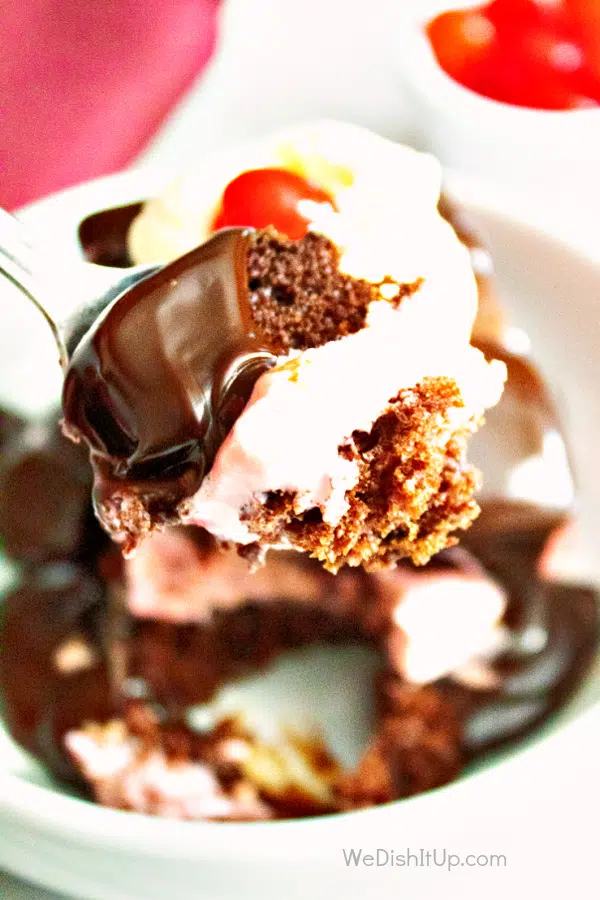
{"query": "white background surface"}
pixel 284 60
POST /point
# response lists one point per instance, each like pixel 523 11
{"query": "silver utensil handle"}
pixel 17 264
pixel 46 281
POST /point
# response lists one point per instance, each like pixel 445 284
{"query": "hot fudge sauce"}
pixel 153 393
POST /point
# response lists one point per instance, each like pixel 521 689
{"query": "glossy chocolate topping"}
pixel 103 235
pixel 153 386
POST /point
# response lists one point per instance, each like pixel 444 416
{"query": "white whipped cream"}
pixel 447 621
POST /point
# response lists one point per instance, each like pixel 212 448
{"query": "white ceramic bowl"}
pixel 509 806
pixel 551 153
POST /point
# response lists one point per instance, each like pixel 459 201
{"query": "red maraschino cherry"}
pixel 262 197
pixel 541 54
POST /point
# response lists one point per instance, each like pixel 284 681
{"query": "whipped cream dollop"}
pixel 447 621
pixel 385 222
pixel 289 436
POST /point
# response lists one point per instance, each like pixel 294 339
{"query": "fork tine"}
pixel 17 265
pixel 14 244
pixel 16 273
pixel 27 285
pixel 16 254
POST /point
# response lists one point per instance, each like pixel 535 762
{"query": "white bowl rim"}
pixel 44 809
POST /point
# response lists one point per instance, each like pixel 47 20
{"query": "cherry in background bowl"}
pixel 553 155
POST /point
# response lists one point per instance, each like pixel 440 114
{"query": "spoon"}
pixel 40 280
pixel 156 366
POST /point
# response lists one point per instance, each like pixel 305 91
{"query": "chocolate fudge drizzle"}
pixel 156 383
pixel 103 235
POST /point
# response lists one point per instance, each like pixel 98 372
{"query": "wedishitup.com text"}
pixel 433 858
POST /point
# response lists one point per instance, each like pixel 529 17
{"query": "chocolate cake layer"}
pixel 414 492
pixel 299 297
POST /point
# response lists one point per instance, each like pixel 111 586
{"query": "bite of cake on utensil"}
pixel 314 391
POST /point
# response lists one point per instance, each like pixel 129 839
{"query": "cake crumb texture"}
pixel 415 489
pixel 300 299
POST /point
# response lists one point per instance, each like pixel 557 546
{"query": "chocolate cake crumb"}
pixel 298 296
pixel 131 514
pixel 417 748
pixel 413 493
pixel 286 297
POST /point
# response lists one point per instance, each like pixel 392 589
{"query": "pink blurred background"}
pixel 85 85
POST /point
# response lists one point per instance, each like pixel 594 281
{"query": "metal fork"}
pixel 21 264
pixel 17 263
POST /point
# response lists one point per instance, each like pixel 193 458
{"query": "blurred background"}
pixel 89 89
pixel 509 92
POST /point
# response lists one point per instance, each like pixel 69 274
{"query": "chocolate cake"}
pixel 414 488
